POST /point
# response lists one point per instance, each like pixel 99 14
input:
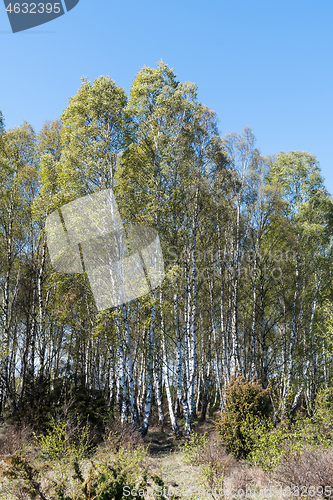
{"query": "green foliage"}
pixel 298 173
pixel 323 416
pixel 24 474
pixel 154 167
pixel 65 478
pixel 41 404
pixel 54 444
pixel 193 447
pixel 244 401
pixel 91 406
pixel 273 444
pixel 269 445
pixel 213 476
pixel 318 429
pixel 65 438
pixel 108 479
pixel 92 137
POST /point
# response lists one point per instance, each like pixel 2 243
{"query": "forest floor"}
pixel 181 478
pixel 187 481
pixel 167 460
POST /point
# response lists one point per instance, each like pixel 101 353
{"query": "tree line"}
pixel 247 250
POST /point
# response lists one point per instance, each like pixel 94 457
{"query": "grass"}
pixel 166 459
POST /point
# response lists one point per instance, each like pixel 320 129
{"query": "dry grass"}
pixel 185 480
pixel 13 438
pixel 216 455
pixel 121 436
pixel 313 468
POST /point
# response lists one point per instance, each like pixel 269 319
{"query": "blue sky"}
pixel 266 64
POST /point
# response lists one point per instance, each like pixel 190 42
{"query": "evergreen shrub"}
pixel 246 403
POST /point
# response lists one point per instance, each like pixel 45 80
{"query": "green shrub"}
pixel 194 447
pixel 40 403
pixel 116 478
pixel 320 426
pixel 65 438
pixel 244 401
pixel 24 474
pixel 271 445
pixel 106 479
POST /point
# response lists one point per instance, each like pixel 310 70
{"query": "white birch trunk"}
pixel 129 369
pixel 121 397
pixel 193 330
pixel 149 391
pixel 180 395
pixel 217 367
pixel 158 395
pixel 166 374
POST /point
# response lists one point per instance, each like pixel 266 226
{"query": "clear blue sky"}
pixel 266 64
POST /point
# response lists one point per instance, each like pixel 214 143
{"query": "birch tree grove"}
pixel 247 248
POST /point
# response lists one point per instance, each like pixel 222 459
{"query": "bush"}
pixel 13 438
pixel 65 437
pixel 271 445
pixel 113 467
pixel 308 475
pixel 319 428
pixel 41 403
pixel 246 403
pixel 194 447
pixel 116 479
pixel 214 461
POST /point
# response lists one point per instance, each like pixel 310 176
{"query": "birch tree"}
pixel 17 164
pixel 298 175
